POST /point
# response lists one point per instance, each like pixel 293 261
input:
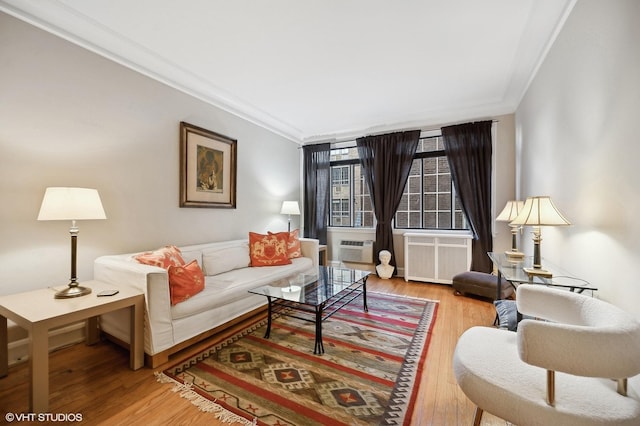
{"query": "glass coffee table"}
pixel 314 296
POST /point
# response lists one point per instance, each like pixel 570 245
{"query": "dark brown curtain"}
pixel 386 163
pixel 316 190
pixel 468 149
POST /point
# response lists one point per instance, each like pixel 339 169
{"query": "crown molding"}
pixel 58 19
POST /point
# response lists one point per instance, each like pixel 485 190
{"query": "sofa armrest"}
pixel 154 284
pixel 310 248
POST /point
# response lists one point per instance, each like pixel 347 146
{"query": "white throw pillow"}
pixel 188 256
pixel 217 261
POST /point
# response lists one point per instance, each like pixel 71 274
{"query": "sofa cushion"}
pixel 269 250
pixel 162 257
pixel 189 255
pixel 185 281
pixel 220 260
pixel 233 285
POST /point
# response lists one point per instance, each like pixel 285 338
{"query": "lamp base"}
pixel 539 272
pixel 511 254
pixel 72 291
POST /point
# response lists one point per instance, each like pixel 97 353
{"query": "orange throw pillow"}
pixel 163 257
pixel 269 250
pixel 185 281
pixel 294 249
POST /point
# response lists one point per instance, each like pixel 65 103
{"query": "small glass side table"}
pixel 512 271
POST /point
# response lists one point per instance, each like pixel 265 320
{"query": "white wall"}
pixel 578 141
pixel 504 177
pixel 69 117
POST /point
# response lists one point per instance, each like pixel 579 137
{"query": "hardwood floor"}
pixel 96 382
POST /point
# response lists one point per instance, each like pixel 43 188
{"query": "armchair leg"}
pixel 551 387
pixel 477 418
pixel 622 386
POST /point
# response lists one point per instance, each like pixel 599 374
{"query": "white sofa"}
pixel 224 300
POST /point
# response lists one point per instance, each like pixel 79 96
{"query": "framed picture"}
pixel 208 164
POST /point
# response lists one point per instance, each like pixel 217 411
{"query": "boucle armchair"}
pixel 568 368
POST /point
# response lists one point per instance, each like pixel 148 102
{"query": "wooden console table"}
pixel 37 312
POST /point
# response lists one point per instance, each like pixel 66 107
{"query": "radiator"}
pixel 436 258
pixel 356 251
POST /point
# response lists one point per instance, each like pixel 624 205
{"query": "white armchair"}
pixel 571 369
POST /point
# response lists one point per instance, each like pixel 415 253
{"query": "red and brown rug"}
pixel 369 373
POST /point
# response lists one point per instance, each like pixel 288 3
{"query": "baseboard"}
pixel 18 348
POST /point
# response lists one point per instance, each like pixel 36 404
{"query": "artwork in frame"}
pixel 208 164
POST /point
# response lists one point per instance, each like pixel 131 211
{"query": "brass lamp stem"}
pixel 73 289
pixel 514 238
pixel 74 251
pixel 537 262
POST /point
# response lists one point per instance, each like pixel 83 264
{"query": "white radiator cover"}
pixel 436 258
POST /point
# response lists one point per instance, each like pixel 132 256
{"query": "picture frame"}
pixel 208 168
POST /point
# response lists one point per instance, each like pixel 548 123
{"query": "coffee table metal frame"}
pixel 314 298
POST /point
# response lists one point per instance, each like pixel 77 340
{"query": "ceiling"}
pixel 322 70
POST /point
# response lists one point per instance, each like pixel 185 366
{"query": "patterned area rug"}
pixel 369 373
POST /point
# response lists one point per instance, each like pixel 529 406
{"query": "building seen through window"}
pixel 428 202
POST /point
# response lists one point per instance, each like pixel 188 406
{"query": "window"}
pixel 350 199
pixel 429 200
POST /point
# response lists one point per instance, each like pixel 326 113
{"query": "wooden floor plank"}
pixel 96 382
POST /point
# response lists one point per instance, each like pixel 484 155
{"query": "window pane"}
pixel 414 202
pixel 430 165
pixel 344 154
pixel 414 184
pixel 402 220
pixel 350 200
pixel 430 201
pixel 414 219
pixel 444 220
pixel 443 164
pixel 430 183
pixel 444 201
pixel 444 183
pixel 430 220
pixel 368 219
pixel 340 194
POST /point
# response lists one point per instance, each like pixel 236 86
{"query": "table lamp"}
pixel 290 208
pixel 71 204
pixel 507 214
pixel 539 211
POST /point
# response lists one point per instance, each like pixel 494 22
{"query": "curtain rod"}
pixel 349 139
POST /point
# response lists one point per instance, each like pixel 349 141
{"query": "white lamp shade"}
pixel 290 207
pixel 510 211
pixel 540 211
pixel 71 204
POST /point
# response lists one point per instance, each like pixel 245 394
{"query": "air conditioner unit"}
pixel 356 251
